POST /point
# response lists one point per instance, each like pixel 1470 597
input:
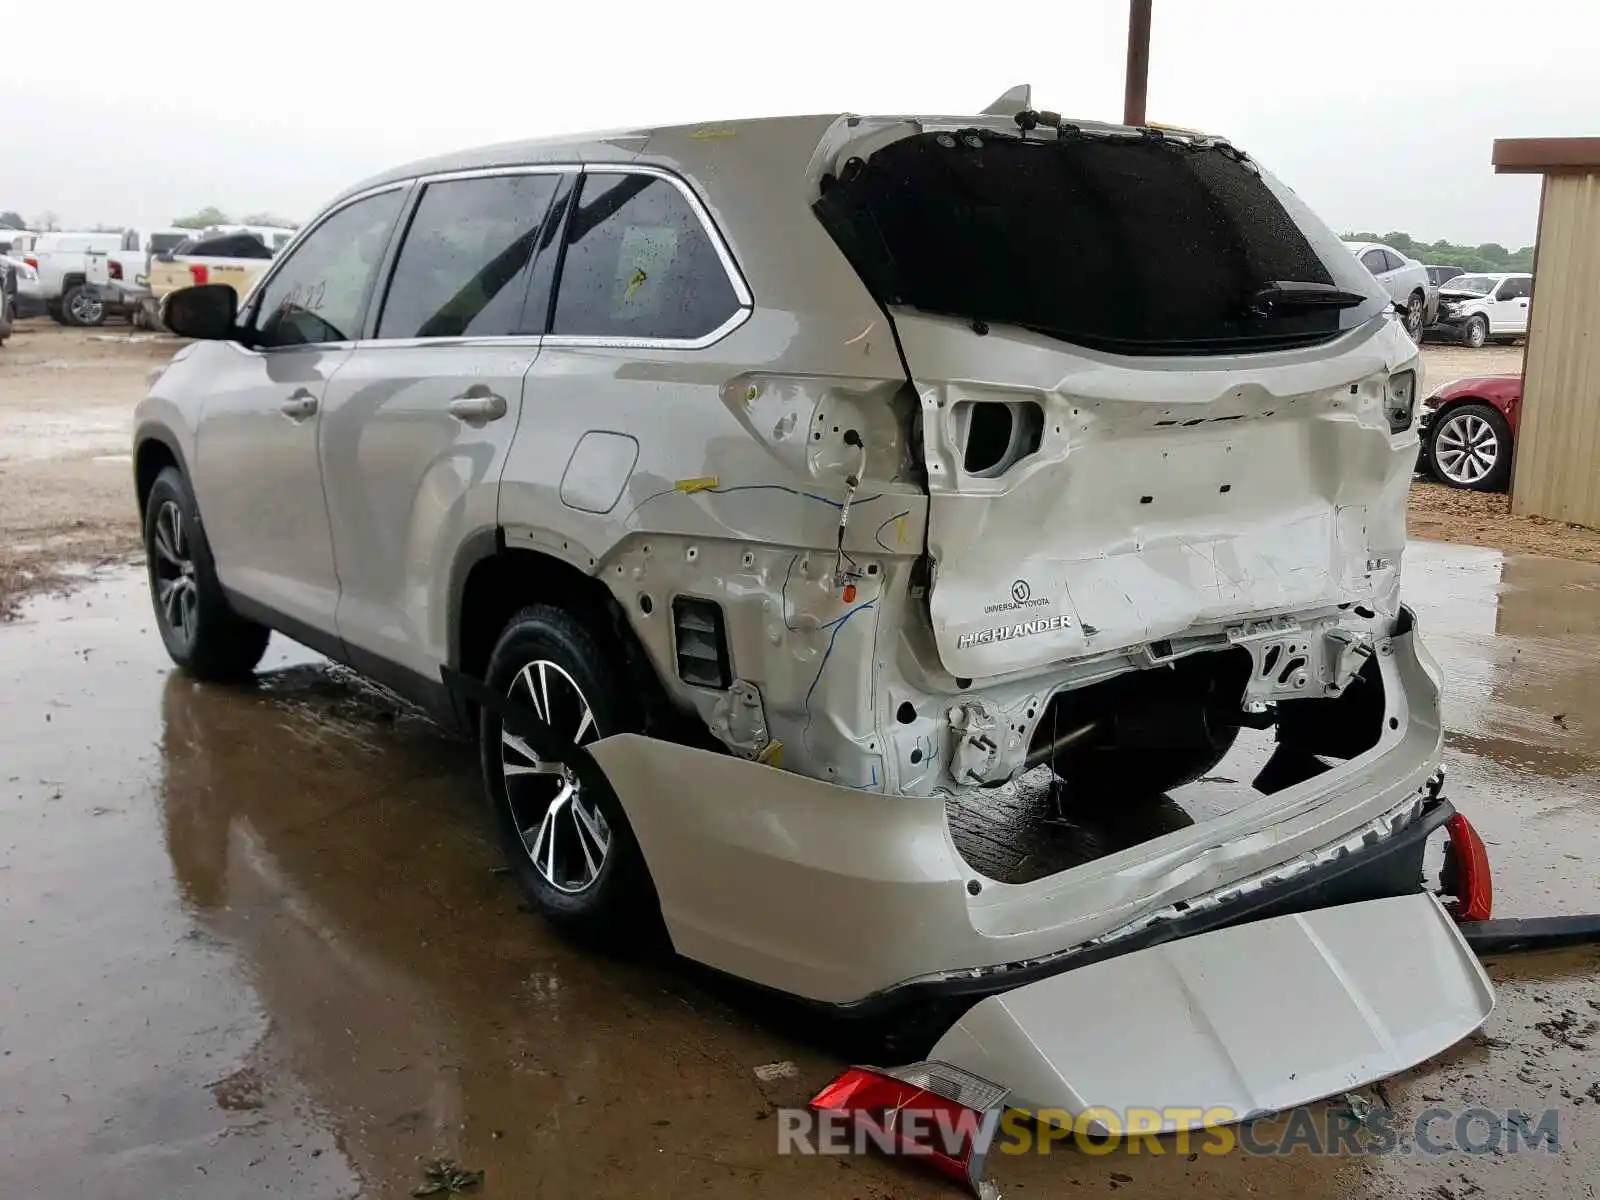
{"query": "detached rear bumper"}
pixel 860 900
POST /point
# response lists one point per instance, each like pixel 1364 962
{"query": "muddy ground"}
pixel 256 940
pixel 256 943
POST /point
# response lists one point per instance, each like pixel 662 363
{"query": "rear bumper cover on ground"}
pixel 858 899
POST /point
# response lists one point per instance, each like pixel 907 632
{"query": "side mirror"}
pixel 205 312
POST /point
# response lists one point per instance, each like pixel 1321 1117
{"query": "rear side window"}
pixel 318 292
pixel 463 268
pixel 1137 246
pixel 639 264
pixel 1372 260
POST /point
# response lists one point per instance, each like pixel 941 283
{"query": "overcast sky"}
pixel 1381 114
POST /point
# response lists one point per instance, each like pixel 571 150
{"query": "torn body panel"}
pixel 1165 498
pixel 1244 1021
pixel 835 895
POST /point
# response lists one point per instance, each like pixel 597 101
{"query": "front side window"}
pixel 164 243
pixel 1513 289
pixel 463 269
pixel 639 264
pixel 316 296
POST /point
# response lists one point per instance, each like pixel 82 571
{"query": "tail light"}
pixel 1466 872
pixel 931 1111
pixel 114 270
pixel 31 261
pixel 200 273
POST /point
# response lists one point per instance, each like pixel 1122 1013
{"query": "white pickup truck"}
pixel 121 277
pixel 235 255
pixel 61 284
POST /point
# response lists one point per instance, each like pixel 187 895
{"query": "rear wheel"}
pixel 1471 448
pixel 566 839
pixel 81 305
pixel 1416 311
pixel 202 633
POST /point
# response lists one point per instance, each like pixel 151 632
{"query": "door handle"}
pixel 299 406
pixel 489 407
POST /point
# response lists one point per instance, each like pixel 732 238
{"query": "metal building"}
pixel 1557 472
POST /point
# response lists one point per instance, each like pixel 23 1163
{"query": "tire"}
pixel 202 633
pixel 1416 316
pixel 52 308
pixel 1134 774
pixel 1475 333
pixel 568 843
pixel 1470 448
pixel 81 306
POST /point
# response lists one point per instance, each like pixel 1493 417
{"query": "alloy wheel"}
pixel 565 834
pixel 1466 448
pixel 1414 315
pixel 172 567
pixel 87 309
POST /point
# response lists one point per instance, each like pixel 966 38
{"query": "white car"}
pixel 121 277
pixel 1405 279
pixel 1480 308
pixel 762 501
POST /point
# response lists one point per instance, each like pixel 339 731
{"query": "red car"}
pixel 1468 428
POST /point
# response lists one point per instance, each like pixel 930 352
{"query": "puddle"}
pixel 257 942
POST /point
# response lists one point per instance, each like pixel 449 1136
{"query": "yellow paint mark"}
pixel 706 135
pixel 899 531
pixel 771 754
pixel 703 484
pixel 633 284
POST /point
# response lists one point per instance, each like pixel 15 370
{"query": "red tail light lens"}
pixel 31 261
pixel 933 1112
pixel 1466 872
pixel 114 270
pixel 200 273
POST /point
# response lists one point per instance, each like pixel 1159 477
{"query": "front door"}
pixel 257 476
pixel 416 426
pixel 1508 312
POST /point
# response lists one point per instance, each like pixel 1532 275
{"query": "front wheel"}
pixel 1475 333
pixel 1471 448
pixel 202 633
pixel 567 840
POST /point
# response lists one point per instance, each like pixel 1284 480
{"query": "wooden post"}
pixel 1138 62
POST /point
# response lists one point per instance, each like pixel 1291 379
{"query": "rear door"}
pixel 257 476
pixel 417 424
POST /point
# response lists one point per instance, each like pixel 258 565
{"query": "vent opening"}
pixel 1000 435
pixel 702 643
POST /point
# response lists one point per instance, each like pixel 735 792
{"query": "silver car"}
pixel 765 495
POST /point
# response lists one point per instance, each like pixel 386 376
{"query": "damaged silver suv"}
pixel 818 490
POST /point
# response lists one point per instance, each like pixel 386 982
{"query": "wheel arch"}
pixel 154 449
pixel 490 581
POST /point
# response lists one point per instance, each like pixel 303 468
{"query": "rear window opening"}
pixel 1147 246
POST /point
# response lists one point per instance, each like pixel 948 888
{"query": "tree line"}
pixel 1491 256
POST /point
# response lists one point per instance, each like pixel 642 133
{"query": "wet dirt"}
pixel 256 943
pixel 66 409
